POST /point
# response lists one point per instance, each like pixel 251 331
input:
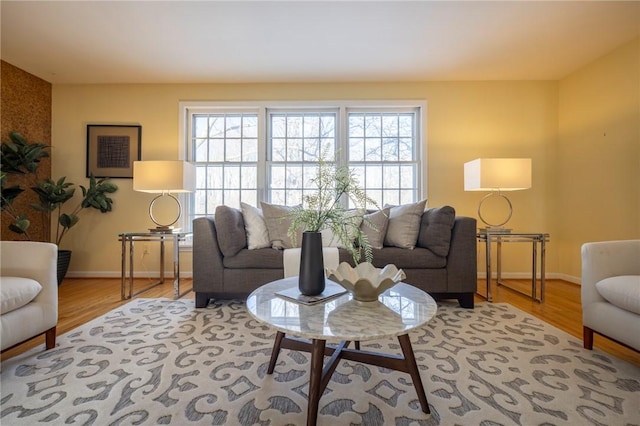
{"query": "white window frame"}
pixel 187 108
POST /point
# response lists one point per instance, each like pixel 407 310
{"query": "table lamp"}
pixel 497 175
pixel 164 178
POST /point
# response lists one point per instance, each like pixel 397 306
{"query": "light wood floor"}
pixel 82 300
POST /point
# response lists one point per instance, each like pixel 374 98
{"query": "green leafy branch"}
pixel 324 209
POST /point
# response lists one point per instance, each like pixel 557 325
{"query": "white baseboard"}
pixel 118 274
pixel 189 274
pixel 527 275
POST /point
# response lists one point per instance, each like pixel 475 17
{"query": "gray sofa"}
pixel 443 263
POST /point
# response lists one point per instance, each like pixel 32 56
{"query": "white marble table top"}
pixel 401 308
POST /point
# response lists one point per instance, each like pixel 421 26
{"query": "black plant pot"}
pixel 64 257
pixel 311 279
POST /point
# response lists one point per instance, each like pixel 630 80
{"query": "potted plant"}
pixel 324 210
pixel 21 157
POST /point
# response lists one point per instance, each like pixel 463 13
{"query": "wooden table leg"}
pixel 315 380
pixel 275 351
pixel 412 368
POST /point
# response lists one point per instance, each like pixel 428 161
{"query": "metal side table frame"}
pixel 499 238
pixel 128 238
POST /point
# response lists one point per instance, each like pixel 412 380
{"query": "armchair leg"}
pixel 50 338
pixel 587 337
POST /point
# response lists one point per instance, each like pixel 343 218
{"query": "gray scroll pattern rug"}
pixel 158 361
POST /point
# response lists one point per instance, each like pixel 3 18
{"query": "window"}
pixel 263 152
pixel 383 151
pixel 296 140
pixel 225 152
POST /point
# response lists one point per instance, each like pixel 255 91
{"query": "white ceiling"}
pixel 309 41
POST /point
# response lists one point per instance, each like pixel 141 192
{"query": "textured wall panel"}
pixel 25 107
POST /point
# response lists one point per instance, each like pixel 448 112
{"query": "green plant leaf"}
pixel 19 156
pixel 20 225
pixel 68 220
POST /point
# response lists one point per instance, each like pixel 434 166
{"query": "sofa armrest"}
pixel 207 257
pixel 606 259
pixel 462 260
pixel 38 261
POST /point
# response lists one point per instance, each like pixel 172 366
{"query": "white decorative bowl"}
pixel 365 281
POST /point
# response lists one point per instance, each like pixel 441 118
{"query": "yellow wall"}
pixel 598 153
pixel 585 184
pixel 465 120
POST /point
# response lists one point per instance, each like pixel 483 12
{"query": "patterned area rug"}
pixel 158 361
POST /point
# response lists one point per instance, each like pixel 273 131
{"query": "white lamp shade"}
pixel 497 174
pixel 164 176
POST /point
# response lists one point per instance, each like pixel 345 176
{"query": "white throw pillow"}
pixel 404 225
pixel 256 227
pixel 15 292
pixel 622 291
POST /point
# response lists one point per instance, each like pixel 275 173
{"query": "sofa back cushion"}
pixel 435 229
pixel 16 292
pixel 232 236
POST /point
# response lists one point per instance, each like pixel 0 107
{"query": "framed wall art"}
pixel 112 149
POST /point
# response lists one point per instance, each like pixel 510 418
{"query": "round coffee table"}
pixel 342 319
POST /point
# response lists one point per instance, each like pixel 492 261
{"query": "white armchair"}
pixel 29 292
pixel 611 292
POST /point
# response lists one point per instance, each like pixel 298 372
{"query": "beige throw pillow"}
pixel 374 227
pixel 278 222
pixel 404 225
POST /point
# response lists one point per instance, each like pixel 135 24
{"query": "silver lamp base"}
pixel 495 228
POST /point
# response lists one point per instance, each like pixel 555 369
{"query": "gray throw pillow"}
pixel 278 222
pixel 435 230
pixel 232 236
pixel 374 227
pixel 404 225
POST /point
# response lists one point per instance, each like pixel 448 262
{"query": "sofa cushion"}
pixel 15 292
pixel 622 291
pixel 265 258
pixel 256 227
pixel 435 229
pixel 230 229
pixel 419 258
pixel 374 227
pixel 404 225
pixel 278 222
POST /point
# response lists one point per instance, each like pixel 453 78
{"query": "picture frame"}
pixel 112 149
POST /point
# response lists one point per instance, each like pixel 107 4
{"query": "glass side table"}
pixel 129 238
pixel 535 239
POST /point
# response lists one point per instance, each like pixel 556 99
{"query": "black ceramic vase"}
pixel 311 279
